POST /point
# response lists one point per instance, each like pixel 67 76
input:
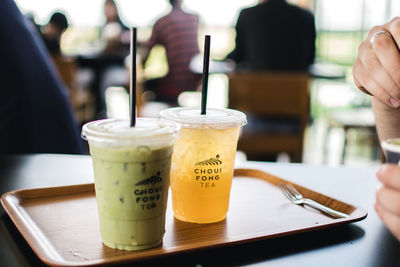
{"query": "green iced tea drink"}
pixel 131 171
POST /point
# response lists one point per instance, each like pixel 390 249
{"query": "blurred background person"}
pixel 274 35
pixel 177 32
pixel 111 69
pixel 35 113
pixel 53 30
pixel 114 32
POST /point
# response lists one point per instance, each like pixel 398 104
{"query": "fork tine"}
pixel 294 191
pixel 285 190
pixel 282 188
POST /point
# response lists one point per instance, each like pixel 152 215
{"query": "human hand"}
pixel 376 70
pixel 387 204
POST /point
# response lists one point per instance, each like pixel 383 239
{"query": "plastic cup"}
pixel 203 162
pixel 131 171
pixel 392 150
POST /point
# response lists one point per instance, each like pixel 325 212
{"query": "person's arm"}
pixel 236 54
pixel 313 36
pixel 147 46
pixel 376 71
pixel 387 119
pixel 146 53
pixel 34 103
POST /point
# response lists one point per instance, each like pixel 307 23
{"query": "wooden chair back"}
pixel 66 68
pixel 274 96
pixel 82 99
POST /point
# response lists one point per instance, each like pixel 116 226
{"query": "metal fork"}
pixel 294 196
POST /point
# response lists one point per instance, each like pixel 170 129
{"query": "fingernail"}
pixel 394 102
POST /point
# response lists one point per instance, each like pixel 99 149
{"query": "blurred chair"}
pixel 277 106
pixel 359 119
pixel 66 68
pixel 82 100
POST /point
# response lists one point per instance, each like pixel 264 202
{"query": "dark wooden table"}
pixel 363 244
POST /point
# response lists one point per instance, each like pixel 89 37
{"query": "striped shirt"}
pixel 177 32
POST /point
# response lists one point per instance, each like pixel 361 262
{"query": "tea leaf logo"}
pixel 210 161
pixel 155 179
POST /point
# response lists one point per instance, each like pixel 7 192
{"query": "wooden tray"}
pixel 60 223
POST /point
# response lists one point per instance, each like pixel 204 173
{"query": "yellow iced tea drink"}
pixel 203 162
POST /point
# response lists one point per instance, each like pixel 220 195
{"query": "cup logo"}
pixel 150 192
pixel 211 161
pixel 155 179
pixel 207 172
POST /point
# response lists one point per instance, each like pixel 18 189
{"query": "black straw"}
pixel 206 63
pixel 132 94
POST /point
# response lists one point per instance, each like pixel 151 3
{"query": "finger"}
pixel 393 26
pixel 376 70
pixel 367 81
pixel 356 82
pixel 387 53
pixel 389 199
pixel 360 87
pixel 390 220
pixel 389 175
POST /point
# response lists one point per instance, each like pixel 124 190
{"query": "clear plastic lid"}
pixel 215 118
pixel 118 131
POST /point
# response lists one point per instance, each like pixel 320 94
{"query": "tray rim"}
pixel 9 199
